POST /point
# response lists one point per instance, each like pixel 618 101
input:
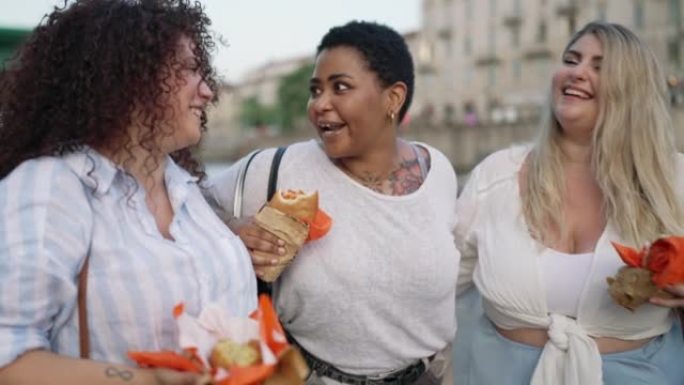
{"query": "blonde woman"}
pixel 536 225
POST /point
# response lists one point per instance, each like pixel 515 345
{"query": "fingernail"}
pixel 274 261
pixel 281 250
pixel 281 242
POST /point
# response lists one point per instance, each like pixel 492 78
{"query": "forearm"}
pixel 46 368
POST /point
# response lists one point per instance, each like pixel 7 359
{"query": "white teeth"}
pixel 326 126
pixel 196 111
pixel 575 92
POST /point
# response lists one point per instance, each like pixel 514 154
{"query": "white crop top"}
pixel 564 277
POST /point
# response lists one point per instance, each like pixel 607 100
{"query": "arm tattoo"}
pixel 120 374
pixel 406 179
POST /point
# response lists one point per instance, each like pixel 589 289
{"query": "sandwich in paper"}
pixel 294 217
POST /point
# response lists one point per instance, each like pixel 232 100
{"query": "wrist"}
pixel 232 223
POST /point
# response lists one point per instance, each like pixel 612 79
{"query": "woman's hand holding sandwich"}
pixel 265 248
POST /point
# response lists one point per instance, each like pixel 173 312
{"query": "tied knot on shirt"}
pixel 560 330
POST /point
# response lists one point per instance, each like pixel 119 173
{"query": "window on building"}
pixel 449 113
pixel 448 47
pixel 543 67
pixel 470 117
pixel 674 53
pixel 469 9
pixel 468 75
pixel 516 69
pixel 676 12
pixel 541 32
pixel 467 45
pixel 515 37
pixel 491 76
pixel 492 8
pixel 601 10
pixel 517 9
pixel 572 25
pixel 425 52
pixel 638 16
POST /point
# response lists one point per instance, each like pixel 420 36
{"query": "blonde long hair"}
pixel 633 155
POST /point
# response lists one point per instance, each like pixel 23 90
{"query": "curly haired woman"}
pixel 98 112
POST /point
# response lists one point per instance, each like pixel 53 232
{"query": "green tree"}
pixel 293 94
pixel 254 114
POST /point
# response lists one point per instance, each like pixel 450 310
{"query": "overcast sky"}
pixel 258 31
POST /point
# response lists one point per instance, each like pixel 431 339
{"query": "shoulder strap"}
pixel 240 185
pixel 83 331
pixel 273 176
pixel 264 287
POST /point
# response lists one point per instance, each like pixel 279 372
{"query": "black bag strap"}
pixel 273 176
pixel 262 286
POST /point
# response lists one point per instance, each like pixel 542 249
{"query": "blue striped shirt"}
pixel 55 210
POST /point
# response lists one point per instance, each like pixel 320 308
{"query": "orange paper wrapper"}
pixel 648 272
pixel 281 363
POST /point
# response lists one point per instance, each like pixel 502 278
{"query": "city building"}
pixel 490 61
pixel 262 82
pixel 486 65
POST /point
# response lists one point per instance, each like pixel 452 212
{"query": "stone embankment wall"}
pixel 465 146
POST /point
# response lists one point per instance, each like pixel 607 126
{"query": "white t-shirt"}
pixel 378 291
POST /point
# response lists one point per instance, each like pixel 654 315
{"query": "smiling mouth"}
pixel 329 128
pixel 197 111
pixel 569 91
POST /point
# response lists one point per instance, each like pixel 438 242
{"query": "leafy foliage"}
pixel 293 95
pixel 255 114
pixel 290 109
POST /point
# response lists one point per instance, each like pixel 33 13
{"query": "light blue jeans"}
pixel 483 357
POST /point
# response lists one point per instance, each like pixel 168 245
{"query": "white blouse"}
pixel 503 260
pixel 56 210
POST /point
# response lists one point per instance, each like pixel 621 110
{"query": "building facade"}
pixel 490 61
pixel 483 69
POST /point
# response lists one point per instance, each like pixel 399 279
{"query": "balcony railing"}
pixel 512 19
pixel 537 51
pixel 487 59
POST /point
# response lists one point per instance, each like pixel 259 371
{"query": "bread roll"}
pixel 227 353
pixel 297 204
